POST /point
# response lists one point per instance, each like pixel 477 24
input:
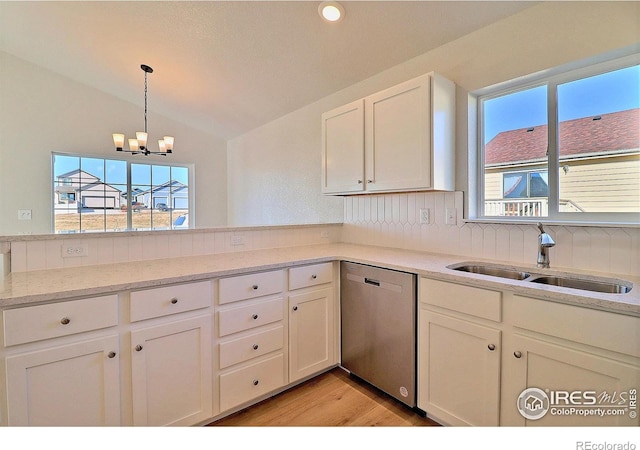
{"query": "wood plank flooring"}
pixel 332 399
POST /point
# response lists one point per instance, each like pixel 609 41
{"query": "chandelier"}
pixel 139 144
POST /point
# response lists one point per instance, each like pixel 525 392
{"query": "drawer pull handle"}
pixel 491 347
pixel 314 276
pixel 111 354
pixel 255 346
pixel 65 321
pixel 295 308
pixel 255 382
pixel 517 354
pixel 254 317
pixel 138 347
pixel 255 287
pixel 174 300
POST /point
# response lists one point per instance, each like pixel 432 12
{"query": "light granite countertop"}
pixel 23 288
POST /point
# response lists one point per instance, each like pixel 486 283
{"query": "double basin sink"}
pixel 593 284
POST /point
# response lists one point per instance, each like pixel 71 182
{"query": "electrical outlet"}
pixel 237 239
pixel 24 214
pixel 75 249
pixel 452 215
pixel 425 215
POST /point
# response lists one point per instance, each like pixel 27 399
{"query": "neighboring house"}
pixel 84 190
pixel 174 194
pixel 599 167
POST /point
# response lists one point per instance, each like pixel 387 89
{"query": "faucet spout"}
pixel 545 242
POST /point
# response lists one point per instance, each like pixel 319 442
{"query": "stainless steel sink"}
pixel 606 286
pixel 493 271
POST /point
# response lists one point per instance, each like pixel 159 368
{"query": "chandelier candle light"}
pixel 139 144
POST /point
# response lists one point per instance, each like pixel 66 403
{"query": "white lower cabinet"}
pixel 459 381
pixel 172 372
pixel 311 333
pixel 246 383
pixel 76 384
pixel 574 382
pixel 495 358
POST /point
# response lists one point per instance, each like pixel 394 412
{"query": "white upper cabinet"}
pixel 399 139
pixel 343 149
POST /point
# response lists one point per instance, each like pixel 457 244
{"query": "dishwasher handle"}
pixel 372 281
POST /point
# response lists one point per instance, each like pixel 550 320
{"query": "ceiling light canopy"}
pixel 139 144
pixel 331 11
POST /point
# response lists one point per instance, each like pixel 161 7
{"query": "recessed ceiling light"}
pixel 331 11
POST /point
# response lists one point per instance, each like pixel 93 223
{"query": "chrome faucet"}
pixel 544 244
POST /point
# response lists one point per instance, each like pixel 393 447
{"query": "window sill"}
pixel 546 221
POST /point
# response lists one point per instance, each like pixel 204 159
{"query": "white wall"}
pixel 275 172
pixel 539 38
pixel 41 112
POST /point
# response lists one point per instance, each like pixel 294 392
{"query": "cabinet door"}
pixel 172 373
pixel 458 370
pixel 343 149
pixel 71 385
pixel 531 363
pixel 398 147
pixel 311 333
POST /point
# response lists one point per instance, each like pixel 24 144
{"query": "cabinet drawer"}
pixel 250 316
pixel 475 301
pixel 158 302
pixel 250 382
pixel 35 323
pixel 250 286
pixel 615 332
pixel 301 277
pixel 246 348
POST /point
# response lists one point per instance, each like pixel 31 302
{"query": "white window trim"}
pixel 618 59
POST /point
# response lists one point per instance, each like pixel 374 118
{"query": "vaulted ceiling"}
pixel 229 66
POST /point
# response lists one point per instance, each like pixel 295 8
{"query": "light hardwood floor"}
pixel 331 399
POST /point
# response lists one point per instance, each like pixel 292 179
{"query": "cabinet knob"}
pixel 255 346
pixel 65 321
pixel 174 300
pixel 369 181
pixel 491 347
pixel 254 287
pixel 255 382
pixel 254 317
pixel 359 181
pixel 111 355
pixel 138 347
pixel 517 354
pixel 314 276
pixel 295 308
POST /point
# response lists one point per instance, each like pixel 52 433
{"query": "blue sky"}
pixel 114 172
pixel 610 92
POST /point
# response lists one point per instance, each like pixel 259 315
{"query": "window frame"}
pixel 191 197
pixel 552 79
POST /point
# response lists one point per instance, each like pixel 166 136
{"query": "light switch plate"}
pixel 451 218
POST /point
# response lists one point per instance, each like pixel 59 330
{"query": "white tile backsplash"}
pixel 46 253
pixel 390 219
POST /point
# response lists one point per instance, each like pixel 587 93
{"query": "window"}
pixel 563 147
pixel 95 194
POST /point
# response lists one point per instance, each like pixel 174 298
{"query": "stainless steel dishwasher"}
pixel 378 325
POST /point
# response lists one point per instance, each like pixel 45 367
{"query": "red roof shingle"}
pixel 610 133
